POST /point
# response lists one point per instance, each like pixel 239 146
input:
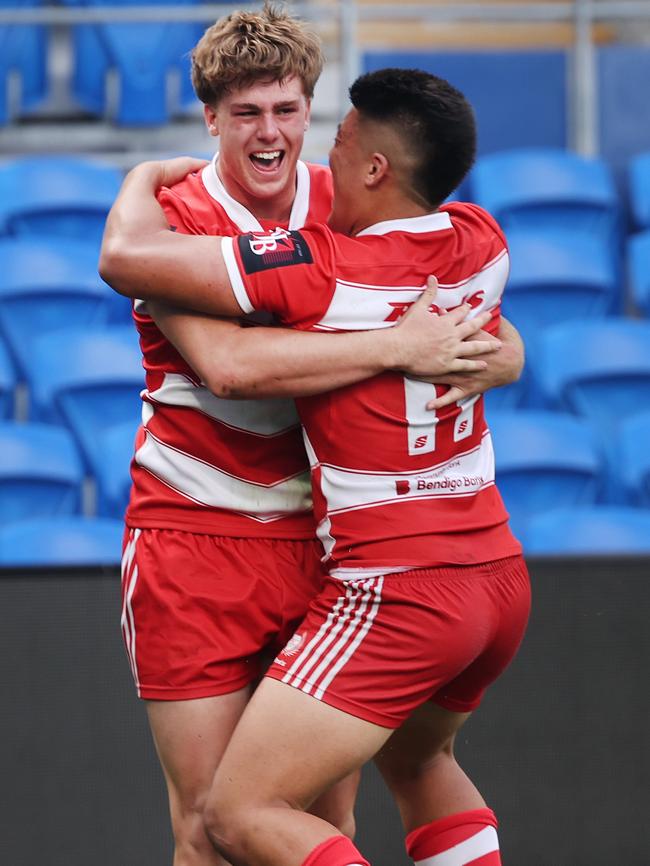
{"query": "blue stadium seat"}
pixel 88 379
pixel 597 530
pixel 557 275
pixel 548 188
pixel 40 471
pixel 544 460
pixel 638 259
pixel 111 468
pixel 23 60
pixel 7 383
pixel 144 58
pixel 639 182
pixel 597 369
pixel 633 458
pixel 62 196
pixel 47 285
pixel 71 541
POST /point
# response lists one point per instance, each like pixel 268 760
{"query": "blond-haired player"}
pixel 220 556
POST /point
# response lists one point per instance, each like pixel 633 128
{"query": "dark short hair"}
pixel 433 118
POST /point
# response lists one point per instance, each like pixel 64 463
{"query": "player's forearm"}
pixel 244 362
pixel 142 258
pixel 505 366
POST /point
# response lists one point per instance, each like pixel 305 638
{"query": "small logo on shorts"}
pixel 293 645
pixel 402 488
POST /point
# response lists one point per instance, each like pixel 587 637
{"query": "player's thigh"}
pixel 428 732
pixel 190 738
pixel 288 748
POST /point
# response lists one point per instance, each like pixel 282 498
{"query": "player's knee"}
pixel 222 823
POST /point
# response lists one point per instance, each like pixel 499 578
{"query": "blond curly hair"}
pixel 246 47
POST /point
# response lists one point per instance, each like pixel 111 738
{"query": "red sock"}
pixel 335 851
pixel 457 840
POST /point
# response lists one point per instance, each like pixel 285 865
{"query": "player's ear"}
pixel 377 169
pixel 308 115
pixel 210 116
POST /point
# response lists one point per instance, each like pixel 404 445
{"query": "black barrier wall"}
pixel 560 747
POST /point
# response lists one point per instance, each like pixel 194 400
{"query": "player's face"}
pixel 348 163
pixel 261 130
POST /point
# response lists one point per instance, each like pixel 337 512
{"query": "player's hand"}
pixel 167 172
pixel 432 345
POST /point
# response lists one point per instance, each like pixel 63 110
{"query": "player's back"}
pixel 395 485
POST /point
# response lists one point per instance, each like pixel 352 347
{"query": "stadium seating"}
pixel 597 369
pixel 544 460
pixel 111 468
pixel 638 259
pixel 548 188
pixel 581 531
pixel 639 183
pixel 534 112
pixel 147 62
pixel 633 458
pixel 62 196
pixel 40 471
pixel 7 383
pixel 556 275
pixel 88 379
pixel 45 285
pixel 62 541
pixel 23 64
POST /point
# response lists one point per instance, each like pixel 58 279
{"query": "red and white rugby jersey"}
pixel 395 486
pixel 204 464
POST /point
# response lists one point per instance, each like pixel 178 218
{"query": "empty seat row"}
pixel 60 542
pixel 134 74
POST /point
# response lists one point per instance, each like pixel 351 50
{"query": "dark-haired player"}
pixel 427 596
pixel 221 559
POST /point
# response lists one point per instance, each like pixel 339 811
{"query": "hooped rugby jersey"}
pixel 395 486
pixel 205 464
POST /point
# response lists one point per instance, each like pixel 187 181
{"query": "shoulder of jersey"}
pixel 473 213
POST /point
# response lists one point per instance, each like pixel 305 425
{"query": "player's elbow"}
pixel 116 264
pixel 224 379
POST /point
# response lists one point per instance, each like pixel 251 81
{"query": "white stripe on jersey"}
pixel 462 475
pixel 349 620
pixel 484 842
pixel 363 307
pixel 421 421
pixel 127 620
pixel 267 418
pixel 208 485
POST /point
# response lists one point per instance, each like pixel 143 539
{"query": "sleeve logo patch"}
pixel 276 249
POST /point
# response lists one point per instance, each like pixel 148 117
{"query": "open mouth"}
pixel 267 160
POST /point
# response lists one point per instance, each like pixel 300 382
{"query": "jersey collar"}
pixel 240 215
pixel 430 222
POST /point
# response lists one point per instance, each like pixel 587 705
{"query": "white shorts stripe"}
pixel 321 641
pixel 482 843
pixel 361 633
pixel 360 603
pixel 349 621
pixel 127 620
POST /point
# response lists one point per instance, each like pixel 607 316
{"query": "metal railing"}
pixel 348 15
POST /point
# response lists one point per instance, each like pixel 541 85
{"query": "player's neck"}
pixel 389 208
pixel 275 208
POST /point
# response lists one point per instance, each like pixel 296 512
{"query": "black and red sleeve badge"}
pixel 276 249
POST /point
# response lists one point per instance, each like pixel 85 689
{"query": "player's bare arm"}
pixel 235 361
pixel 142 258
